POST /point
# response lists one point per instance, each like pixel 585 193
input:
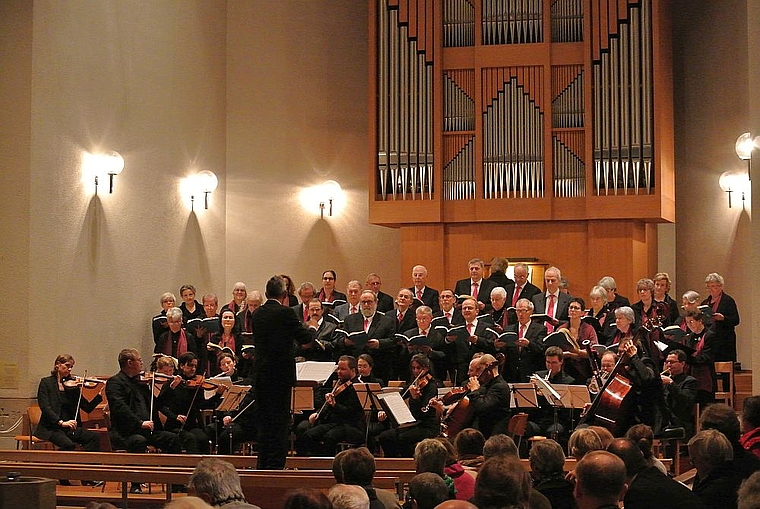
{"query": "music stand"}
pixel 523 395
pixel 233 397
pixel 365 393
pixel 573 397
pixel 552 397
pixel 395 406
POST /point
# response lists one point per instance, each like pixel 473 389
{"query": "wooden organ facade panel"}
pixel 520 111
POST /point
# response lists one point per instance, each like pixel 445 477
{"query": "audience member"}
pixel 547 463
pixel 430 456
pixel 750 425
pixel 357 466
pixel 499 444
pixel 711 454
pixel 307 498
pixel 723 418
pixel 643 436
pixel 426 490
pixel 217 482
pixel 502 482
pixel 600 481
pixel 749 492
pixel 347 496
pixel 469 446
pixel 464 479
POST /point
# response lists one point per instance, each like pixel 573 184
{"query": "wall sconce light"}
pixel 734 182
pixel 327 197
pixel 99 165
pixel 745 145
pixel 204 182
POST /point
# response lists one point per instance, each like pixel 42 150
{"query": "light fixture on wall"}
pixel 327 198
pixel 99 165
pixel 328 192
pixel 745 145
pixel 734 182
pixel 204 182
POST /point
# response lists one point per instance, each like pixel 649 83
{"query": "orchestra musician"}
pixel 607 363
pixel 130 405
pixel 340 417
pixel 680 391
pixel 541 420
pixel 60 397
pixel 243 428
pixel 181 404
pixel 400 442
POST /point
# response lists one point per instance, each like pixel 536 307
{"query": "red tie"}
pixel 522 332
pixel 469 329
pixel 419 294
pixel 448 318
pixel 424 333
pixel 353 309
pixel 475 291
pixel 400 316
pixel 305 314
pixel 366 324
pixel 550 312
pixel 516 296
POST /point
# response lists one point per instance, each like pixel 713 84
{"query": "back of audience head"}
pixel 749 492
pixel 502 482
pixel 750 413
pixel 583 441
pixel 185 503
pixel 215 481
pixel 427 490
pixel 430 456
pixel 451 453
pixel 497 445
pixel 709 449
pixel 456 504
pixel 348 496
pixel 643 436
pixel 307 498
pixel 469 443
pixel 627 450
pixel 547 458
pixel 723 418
pixel 601 477
pixel 354 466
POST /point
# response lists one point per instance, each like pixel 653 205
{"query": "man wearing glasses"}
pixel 680 391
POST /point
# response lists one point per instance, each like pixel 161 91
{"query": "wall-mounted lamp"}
pixel 745 145
pixel 204 182
pixel 734 182
pixel 99 165
pixel 326 197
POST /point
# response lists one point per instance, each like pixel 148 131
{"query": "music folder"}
pixel 547 390
pixel 522 395
pixel 396 409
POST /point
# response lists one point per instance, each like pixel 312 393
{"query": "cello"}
pixel 609 408
pixel 457 417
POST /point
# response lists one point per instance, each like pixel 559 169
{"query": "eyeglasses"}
pixel 574 308
pixel 328 278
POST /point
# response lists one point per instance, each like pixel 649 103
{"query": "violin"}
pixel 337 389
pixel 202 382
pixel 78 381
pixel 150 376
pixel 422 382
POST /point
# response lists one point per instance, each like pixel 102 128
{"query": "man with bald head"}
pixel 421 291
pixel 600 480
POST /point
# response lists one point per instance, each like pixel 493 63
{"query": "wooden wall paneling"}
pixel 423 245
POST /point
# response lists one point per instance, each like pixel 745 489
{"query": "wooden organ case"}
pixel 523 128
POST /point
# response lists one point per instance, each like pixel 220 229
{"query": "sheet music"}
pixel 395 406
pixel 233 397
pixel 219 380
pixel 314 371
pixel 364 392
pixel 522 395
pixel 547 390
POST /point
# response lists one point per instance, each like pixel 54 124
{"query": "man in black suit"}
pixel 353 291
pixel 527 356
pixel 129 403
pixel 553 302
pixel 276 329
pixel 380 329
pixel 476 286
pixel 479 340
pixel 524 288
pixel 384 301
pixel 647 486
pixel 306 292
pixel 421 291
pixel 320 348
pixel 448 311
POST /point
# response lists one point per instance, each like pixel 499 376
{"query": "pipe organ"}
pixel 520 111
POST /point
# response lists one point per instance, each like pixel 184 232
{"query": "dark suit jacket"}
pixel 501 279
pixel 464 287
pixel 299 311
pixel 382 328
pixel 344 310
pixel 276 329
pixel 59 406
pixel 527 360
pixel 651 488
pixel 384 302
pixel 429 298
pixel 456 318
pixel 128 403
pixel 408 322
pixel 563 301
pixel 165 342
pixel 527 292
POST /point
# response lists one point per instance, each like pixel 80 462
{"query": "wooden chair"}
pixel 724 373
pixel 517 426
pixel 30 423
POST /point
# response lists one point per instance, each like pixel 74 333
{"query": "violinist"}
pixel 60 397
pixel 181 403
pixel 489 398
pixel 340 417
pixel 130 404
pixel 400 442
pixel 243 428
